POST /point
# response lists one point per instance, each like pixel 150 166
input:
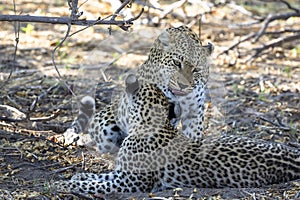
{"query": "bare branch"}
pixel 73 16
pixel 45 118
pixel 74 9
pixel 64 20
pixel 273 17
pixel 19 116
pixel 274 43
pixel 71 20
pixel 289 6
pixel 17 37
pixel 249 36
pixel 120 8
pixel 279 125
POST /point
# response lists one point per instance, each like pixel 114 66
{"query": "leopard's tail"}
pixel 81 123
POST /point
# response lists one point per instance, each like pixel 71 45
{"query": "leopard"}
pixel 179 64
pixel 155 156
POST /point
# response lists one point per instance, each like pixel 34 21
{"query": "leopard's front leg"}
pixel 122 182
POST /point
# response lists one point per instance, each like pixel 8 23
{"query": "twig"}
pixel 19 116
pixel 289 6
pixel 82 3
pixel 274 43
pixel 46 118
pixel 33 119
pixel 119 9
pixel 62 169
pixel 17 36
pixel 14 111
pixel 273 17
pixel 8 119
pixel 38 98
pixel 74 9
pixel 123 26
pixel 281 126
pixel 73 16
pixel 173 6
pixel 251 35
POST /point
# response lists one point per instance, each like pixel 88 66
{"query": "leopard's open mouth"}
pixel 179 91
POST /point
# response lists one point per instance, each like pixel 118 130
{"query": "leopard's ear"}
pixel 210 47
pixel 132 84
pixel 164 39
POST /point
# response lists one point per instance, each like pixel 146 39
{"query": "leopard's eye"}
pixel 177 63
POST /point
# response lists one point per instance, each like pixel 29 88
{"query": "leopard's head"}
pixel 175 55
pixel 147 104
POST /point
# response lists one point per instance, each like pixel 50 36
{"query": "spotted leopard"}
pixel 155 156
pixel 179 64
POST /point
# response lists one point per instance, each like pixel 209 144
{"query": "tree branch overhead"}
pixel 65 20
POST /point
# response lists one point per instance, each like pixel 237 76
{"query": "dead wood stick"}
pixel 46 118
pixel 63 20
pixel 62 169
pixel 14 111
pixel 34 119
pixel 173 6
pixel 281 126
pixel 38 98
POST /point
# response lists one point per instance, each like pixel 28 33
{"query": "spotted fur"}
pixel 155 156
pixel 176 60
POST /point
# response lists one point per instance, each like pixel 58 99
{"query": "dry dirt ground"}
pixel 259 99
